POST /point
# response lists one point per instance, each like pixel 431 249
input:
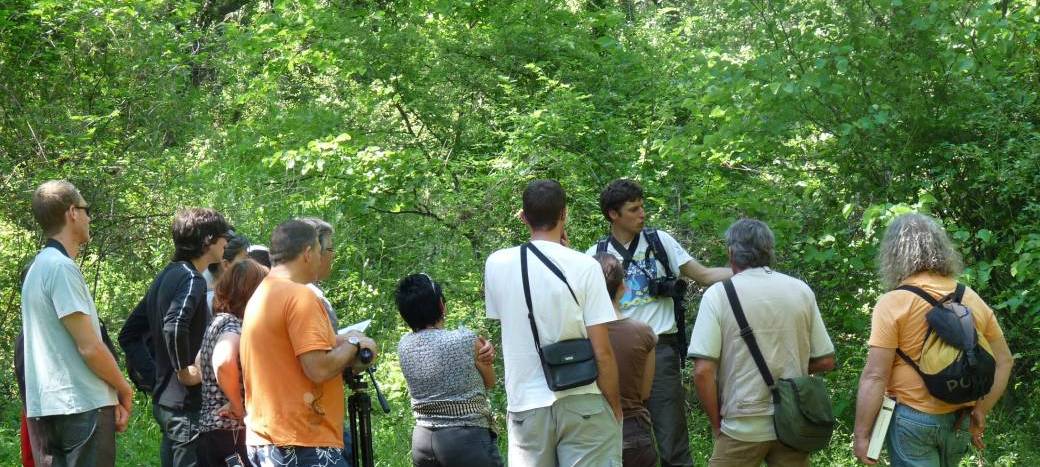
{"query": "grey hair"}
pixel 324 229
pixel 750 244
pixel 914 243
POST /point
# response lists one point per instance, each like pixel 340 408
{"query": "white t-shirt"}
pixel 557 315
pixel 786 321
pixel 657 312
pixel 57 380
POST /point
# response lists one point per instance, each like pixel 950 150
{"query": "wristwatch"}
pixel 356 341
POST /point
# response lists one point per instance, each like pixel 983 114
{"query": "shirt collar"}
pixel 52 243
pixel 756 271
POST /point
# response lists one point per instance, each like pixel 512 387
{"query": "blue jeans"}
pixel 295 456
pixel 918 439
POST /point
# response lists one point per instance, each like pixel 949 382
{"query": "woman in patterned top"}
pixel 448 373
pixel 222 432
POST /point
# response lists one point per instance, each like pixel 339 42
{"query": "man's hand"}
pixel 859 447
pixel 486 354
pixel 365 342
pixel 189 376
pixel 125 406
pixel 977 427
pixel 619 414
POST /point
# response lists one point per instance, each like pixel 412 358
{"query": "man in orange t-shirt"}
pixel 924 430
pixel 292 360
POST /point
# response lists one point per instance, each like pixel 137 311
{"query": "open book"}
pixel 877 436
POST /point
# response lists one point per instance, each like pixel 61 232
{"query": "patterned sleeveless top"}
pixel 212 397
pixel 446 388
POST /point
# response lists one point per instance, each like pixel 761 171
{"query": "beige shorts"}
pixel 577 430
pixel 730 452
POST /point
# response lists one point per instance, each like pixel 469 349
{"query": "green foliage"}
pixel 413 125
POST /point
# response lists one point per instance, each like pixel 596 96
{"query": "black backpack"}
pixel 956 363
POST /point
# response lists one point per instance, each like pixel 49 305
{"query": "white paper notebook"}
pixel 877 437
pixel 359 327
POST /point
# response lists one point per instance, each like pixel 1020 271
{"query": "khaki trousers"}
pixel 729 452
pixel 575 431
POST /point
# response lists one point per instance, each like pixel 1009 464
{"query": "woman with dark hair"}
pixel 260 254
pixel 222 432
pixel 234 251
pixel 447 381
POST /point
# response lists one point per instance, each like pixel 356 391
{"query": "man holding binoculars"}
pixel 653 262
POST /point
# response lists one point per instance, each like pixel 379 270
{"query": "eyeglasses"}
pixel 85 209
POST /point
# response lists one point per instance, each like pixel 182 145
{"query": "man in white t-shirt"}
pixel 76 398
pixel 782 313
pixel 622 204
pixel 575 427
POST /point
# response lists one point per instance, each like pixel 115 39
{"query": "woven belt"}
pixel 476 406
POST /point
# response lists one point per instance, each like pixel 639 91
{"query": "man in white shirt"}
pixel 782 313
pixel 76 398
pixel 622 204
pixel 580 426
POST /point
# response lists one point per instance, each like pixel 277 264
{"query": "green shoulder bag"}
pixel 802 414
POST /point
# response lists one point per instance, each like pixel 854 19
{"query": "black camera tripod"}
pixel 359 406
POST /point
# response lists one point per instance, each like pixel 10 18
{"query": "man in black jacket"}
pixel 172 315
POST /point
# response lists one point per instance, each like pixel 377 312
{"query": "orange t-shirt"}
pixel 899 322
pixel 283 320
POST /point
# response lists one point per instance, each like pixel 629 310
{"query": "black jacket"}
pixel 173 317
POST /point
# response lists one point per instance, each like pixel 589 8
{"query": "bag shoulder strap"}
pixel 552 267
pixel 921 293
pixel 747 334
pixel 527 298
pixel 956 296
pixel 658 248
pixel 958 293
pixel 527 288
pixel 601 245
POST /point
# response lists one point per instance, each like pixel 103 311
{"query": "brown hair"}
pixel 612 272
pixel 236 285
pixel 49 203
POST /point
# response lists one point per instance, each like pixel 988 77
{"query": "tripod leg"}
pixel 352 406
pixel 365 429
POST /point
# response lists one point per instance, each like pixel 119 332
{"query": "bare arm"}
pixel 872 384
pixel 1004 361
pixel 101 362
pixel 648 375
pixel 704 379
pixel 487 371
pixel 229 375
pixel 323 365
pixel 821 364
pixel 607 366
pixel 700 274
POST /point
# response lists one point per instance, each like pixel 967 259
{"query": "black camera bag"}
pixel 568 363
